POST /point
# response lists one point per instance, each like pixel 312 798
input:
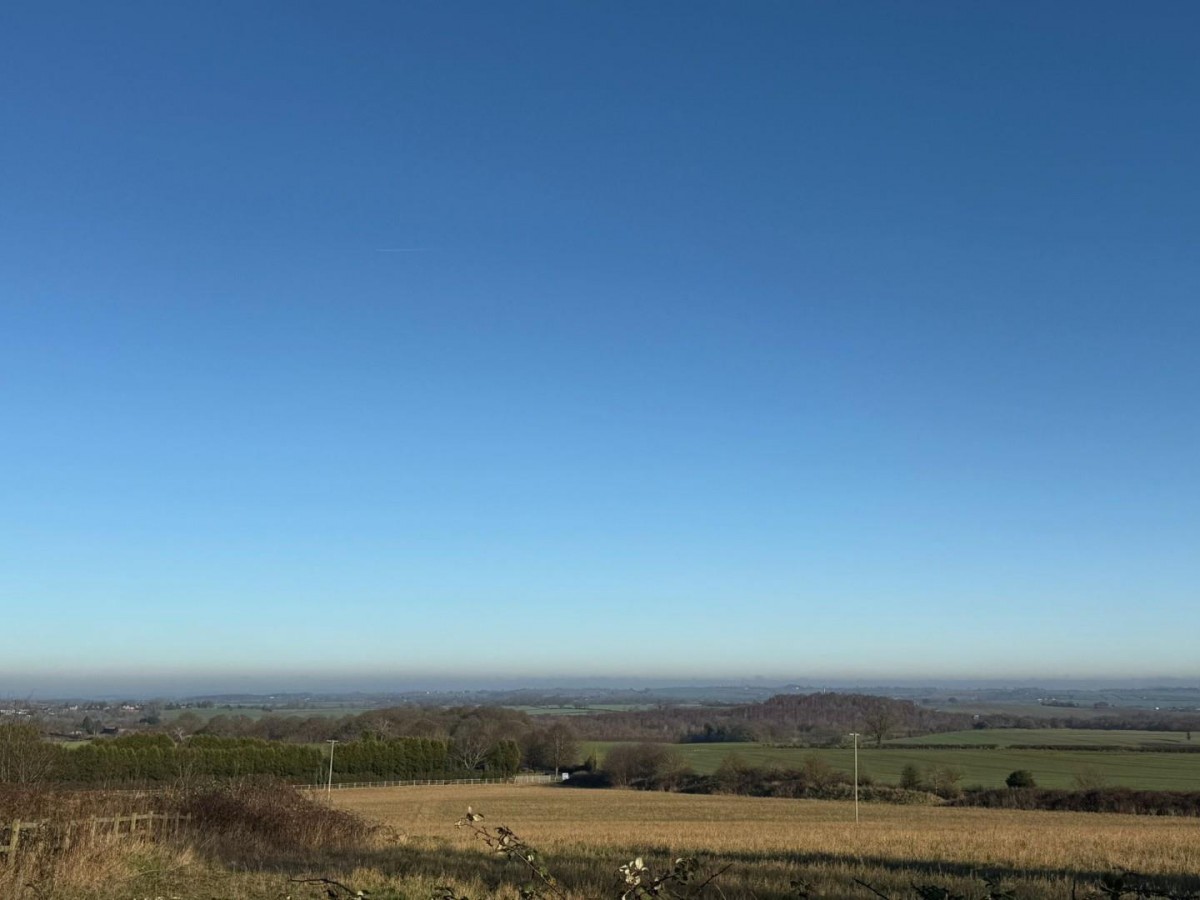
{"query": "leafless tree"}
pixel 562 745
pixel 25 758
pixel 879 723
pixel 470 743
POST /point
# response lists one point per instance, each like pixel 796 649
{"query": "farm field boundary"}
pixel 434 782
pixel 1150 771
pixel 1078 737
pixel 130 825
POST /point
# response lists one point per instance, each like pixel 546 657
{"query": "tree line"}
pixel 802 719
pixel 26 758
pixel 808 719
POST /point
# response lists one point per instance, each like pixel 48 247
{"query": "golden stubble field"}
pixel 586 834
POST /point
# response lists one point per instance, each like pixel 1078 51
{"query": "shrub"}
pixel 257 815
pixel 647 766
pixel 818 773
pixel 1021 778
pixel 733 775
pixel 1108 800
pixel 1089 778
pixel 943 781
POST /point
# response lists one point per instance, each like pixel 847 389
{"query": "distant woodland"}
pixel 413 742
pixel 817 719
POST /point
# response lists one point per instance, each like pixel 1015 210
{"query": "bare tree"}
pixel 943 780
pixel 470 743
pixel 879 723
pixel 562 745
pixel 25 758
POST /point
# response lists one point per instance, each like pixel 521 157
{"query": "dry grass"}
pixel 39 802
pixel 259 849
pixel 773 841
pixel 240 840
pixel 255 822
pixel 65 859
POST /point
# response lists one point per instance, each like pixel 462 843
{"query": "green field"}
pixel 1006 737
pixel 982 768
pixel 1029 710
pixel 578 710
pixel 257 712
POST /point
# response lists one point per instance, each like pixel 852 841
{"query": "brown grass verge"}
pixel 260 826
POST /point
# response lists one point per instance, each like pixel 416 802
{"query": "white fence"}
pixel 514 779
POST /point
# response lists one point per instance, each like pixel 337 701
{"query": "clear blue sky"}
pixel 499 340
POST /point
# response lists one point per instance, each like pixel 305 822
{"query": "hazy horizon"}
pixel 58 686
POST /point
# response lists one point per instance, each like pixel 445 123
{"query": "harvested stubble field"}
pixel 770 843
pixel 250 842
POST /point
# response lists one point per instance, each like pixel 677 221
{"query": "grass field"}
pixel 1005 737
pixel 1030 710
pixel 257 712
pixel 578 710
pixel 585 835
pixel 984 768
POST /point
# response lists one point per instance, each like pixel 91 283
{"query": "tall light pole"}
pixel 329 781
pixel 854 734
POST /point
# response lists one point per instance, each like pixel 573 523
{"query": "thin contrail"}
pixel 400 250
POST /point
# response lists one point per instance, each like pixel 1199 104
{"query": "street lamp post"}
pixel 329 780
pixel 854 734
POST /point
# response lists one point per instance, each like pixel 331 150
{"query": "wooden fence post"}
pixel 14 839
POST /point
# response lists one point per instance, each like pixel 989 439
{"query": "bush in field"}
pixel 1089 778
pixel 819 774
pixel 257 815
pixel 1021 778
pixel 734 775
pixel 648 766
pixel 944 781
